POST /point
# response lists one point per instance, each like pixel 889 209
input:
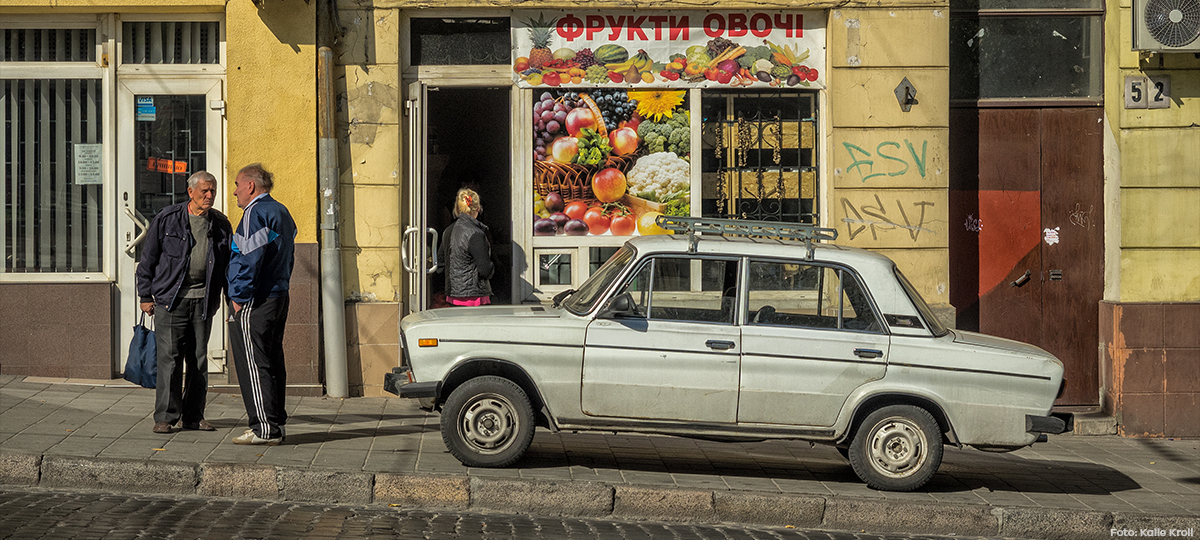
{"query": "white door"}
pixel 418 248
pixel 167 129
pixel 676 355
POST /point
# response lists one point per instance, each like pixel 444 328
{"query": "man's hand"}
pixel 148 308
pixel 236 306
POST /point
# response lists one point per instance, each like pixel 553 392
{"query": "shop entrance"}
pixel 167 130
pixel 458 137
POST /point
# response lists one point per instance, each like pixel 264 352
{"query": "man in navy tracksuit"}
pixel 259 271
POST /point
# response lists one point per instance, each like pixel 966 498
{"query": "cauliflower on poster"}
pixel 662 174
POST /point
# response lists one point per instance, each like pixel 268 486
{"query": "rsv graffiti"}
pixel 877 218
pixel 893 163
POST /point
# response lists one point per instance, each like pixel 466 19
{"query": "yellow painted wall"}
pixel 369 152
pixel 1157 174
pixel 271 102
pixel 889 170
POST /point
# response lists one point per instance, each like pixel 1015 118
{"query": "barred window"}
pixel 48 45
pixel 52 218
pixel 170 42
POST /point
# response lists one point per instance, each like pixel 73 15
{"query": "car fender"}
pixel 873 395
pixel 469 368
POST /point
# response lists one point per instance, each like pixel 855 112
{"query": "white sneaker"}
pixel 250 438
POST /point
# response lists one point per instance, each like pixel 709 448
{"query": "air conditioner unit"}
pixel 1166 25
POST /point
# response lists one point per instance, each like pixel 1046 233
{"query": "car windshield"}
pixel 934 324
pixel 585 298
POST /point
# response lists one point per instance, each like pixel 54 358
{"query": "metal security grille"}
pixel 50 222
pixel 48 45
pixel 759 156
pixel 170 42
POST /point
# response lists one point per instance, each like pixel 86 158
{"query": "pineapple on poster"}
pixel 554 48
pixel 609 161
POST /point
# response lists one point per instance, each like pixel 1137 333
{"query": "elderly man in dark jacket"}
pixel 180 279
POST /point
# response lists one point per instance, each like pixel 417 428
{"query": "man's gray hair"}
pixel 257 174
pixel 201 176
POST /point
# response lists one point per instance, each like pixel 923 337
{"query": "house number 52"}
pixel 1147 92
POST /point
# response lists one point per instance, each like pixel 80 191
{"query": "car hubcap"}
pixel 489 423
pixel 897 448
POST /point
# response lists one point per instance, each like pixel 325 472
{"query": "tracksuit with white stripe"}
pixel 260 269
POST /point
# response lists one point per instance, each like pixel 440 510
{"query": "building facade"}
pixel 1000 168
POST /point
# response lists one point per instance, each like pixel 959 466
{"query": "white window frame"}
pixel 105 71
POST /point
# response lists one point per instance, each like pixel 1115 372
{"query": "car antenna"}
pixel 748 228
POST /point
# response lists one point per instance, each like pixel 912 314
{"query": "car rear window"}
pixel 931 321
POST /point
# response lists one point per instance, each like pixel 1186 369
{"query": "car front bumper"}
pixel 399 382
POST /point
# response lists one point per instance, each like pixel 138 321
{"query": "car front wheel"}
pixel 487 422
pixel 897 448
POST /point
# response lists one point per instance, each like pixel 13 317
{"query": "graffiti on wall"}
pixel 879 218
pixel 889 159
pixel 1083 218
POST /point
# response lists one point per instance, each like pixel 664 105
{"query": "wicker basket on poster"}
pixel 574 182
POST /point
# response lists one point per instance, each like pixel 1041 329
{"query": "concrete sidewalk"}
pixel 387 451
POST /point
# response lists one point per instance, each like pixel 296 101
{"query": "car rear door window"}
pixel 808 296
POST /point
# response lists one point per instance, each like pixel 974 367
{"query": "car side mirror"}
pixel 621 305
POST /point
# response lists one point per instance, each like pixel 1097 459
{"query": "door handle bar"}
pixel 410 265
pixel 143 226
pixel 1023 279
pixel 404 260
pixel 433 268
pixel 720 344
pixel 868 353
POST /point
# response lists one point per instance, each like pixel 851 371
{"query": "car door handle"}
pixel 720 345
pixel 868 353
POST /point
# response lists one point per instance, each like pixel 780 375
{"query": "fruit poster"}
pixel 556 48
pixel 609 161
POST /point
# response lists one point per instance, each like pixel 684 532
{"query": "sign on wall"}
pixel 669 49
pixel 88 162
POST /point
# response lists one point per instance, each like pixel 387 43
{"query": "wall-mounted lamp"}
pixel 906 94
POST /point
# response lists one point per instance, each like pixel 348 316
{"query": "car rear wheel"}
pixel 897 448
pixel 487 422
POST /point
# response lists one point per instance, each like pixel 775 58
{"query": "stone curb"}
pixel 569 498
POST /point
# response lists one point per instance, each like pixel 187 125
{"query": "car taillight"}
pixel 1062 387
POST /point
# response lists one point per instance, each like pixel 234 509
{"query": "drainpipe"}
pixel 333 307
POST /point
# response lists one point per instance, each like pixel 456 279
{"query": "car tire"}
pixel 897 448
pixel 487 422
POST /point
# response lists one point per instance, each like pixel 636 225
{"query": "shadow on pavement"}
pixel 346 434
pixel 961 470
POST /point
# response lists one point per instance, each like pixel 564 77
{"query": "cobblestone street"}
pixel 65 515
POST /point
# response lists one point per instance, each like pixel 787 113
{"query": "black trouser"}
pixel 256 336
pixel 182 339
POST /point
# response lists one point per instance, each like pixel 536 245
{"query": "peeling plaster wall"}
pixel 368 115
pixel 888 170
pixel 367 56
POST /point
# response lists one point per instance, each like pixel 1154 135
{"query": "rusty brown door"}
pixel 1028 261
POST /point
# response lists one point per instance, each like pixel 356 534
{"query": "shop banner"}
pixel 682 49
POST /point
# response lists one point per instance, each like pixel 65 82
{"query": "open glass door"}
pixel 418 247
pixel 168 129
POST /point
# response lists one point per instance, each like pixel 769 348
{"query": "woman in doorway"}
pixel 468 254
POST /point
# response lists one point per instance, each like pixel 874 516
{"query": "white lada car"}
pixel 756 332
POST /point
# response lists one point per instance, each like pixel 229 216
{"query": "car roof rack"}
pixel 748 228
